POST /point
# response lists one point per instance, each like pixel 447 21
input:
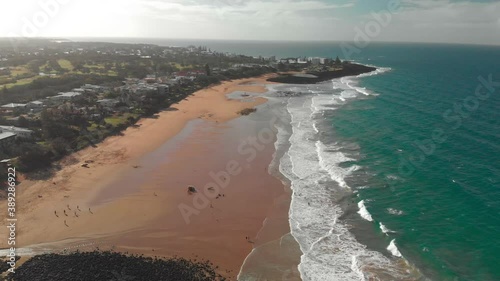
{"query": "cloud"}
pixel 262 19
pixel 450 13
pixel 446 21
pixel 420 20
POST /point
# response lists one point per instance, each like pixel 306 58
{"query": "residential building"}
pixel 34 105
pixel 7 139
pixel 19 132
pixel 78 90
pixel 66 96
pixel 108 103
pixel 315 61
pixel 162 89
pixel 12 106
pixel 301 61
pixel 171 82
pixel 92 87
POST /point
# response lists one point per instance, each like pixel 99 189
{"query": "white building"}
pixel 92 87
pixel 12 106
pixel 315 61
pixel 108 103
pixel 301 61
pixel 162 89
pixel 7 139
pixel 34 105
pixel 78 90
pixel 19 132
pixel 66 96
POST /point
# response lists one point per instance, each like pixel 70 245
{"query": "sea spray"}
pixel 317 175
pixel 394 249
pixel 363 212
pixel 384 229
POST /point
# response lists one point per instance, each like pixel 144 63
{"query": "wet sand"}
pixel 130 199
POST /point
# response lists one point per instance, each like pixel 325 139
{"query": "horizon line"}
pixel 72 38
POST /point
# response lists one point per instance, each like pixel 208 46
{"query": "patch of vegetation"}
pixel 65 64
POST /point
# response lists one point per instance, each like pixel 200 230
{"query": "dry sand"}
pixel 117 204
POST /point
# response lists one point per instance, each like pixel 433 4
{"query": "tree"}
pixel 338 61
pixel 59 147
pixel 33 157
pixel 207 69
pixel 23 122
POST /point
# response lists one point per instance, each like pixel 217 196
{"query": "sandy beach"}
pixel 133 197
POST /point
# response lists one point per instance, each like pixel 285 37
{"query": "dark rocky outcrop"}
pixel 112 266
pixel 348 69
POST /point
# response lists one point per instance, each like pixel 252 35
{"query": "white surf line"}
pixel 330 232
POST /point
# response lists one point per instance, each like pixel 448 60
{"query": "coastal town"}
pixel 76 116
pixel 60 96
pixel 265 140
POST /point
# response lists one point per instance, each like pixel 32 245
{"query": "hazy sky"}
pixel 462 21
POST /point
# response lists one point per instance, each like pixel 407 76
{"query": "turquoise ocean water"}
pixel 423 151
pixel 447 190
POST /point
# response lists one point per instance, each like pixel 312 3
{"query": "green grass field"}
pixel 66 64
pixel 19 70
pixel 22 82
pixel 118 120
pixel 179 66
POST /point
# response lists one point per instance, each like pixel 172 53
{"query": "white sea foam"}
pixel 394 249
pixel 325 102
pixel 363 212
pixel 330 251
pixel 315 128
pixel 395 212
pixel 351 83
pixel 329 162
pixel 379 70
pixel 392 177
pixel 356 268
pixel 384 229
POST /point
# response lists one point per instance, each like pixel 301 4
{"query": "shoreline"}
pixel 78 187
pixel 117 179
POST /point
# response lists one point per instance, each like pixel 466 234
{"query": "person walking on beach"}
pixel 65 213
pixel 55 213
pixel 90 211
pixel 66 223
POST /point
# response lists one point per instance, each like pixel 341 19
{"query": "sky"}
pixel 443 21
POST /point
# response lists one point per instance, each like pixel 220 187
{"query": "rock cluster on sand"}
pixel 247 111
pixel 285 94
pixel 112 266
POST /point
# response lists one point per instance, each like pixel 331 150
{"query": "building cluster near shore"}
pixel 142 51
pixel 93 96
pixel 60 96
pixel 308 61
pixel 99 101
